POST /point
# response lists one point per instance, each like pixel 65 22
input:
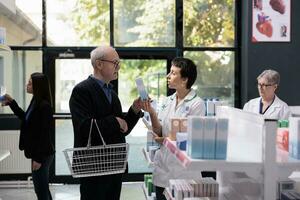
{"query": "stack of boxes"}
pixel 283 135
pixel 207 137
pixel 211 105
pixel 178 125
pixel 294 137
pixel 204 187
pixel 149 184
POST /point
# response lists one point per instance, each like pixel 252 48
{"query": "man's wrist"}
pixel 135 110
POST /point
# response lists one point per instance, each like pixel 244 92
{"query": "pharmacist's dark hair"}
pixel 188 70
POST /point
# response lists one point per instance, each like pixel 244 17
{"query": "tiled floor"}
pixel 130 191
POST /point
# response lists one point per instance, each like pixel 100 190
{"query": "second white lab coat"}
pixel 278 109
pixel 166 166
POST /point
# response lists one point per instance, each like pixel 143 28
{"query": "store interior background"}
pixel 253 58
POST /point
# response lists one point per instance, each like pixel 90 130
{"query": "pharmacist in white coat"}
pixel 268 104
pixel 184 102
pixel 271 107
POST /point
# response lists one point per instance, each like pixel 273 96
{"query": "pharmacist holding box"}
pixel 184 102
pixel 268 104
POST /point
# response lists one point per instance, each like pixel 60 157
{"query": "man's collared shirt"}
pixel 107 88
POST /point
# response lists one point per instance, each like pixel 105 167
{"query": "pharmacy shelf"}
pixel 234 164
pixel 225 194
pixel 146 193
pixel 147 158
pixel 286 164
pixel 4 154
pixel 168 194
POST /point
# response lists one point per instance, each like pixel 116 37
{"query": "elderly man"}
pixel 94 98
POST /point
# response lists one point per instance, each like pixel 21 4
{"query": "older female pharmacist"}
pixel 271 107
pixel 182 103
pixel 268 104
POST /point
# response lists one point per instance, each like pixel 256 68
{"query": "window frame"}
pixel 51 53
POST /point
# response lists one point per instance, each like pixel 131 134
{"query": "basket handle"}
pixel 90 133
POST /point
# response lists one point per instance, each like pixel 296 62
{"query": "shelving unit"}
pixel 234 164
pixel 147 158
pixel 251 149
pixel 168 194
pixel 146 193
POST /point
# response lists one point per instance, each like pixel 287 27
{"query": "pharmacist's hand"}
pixel 146 106
pixel 137 105
pixel 123 125
pixel 36 165
pixel 159 140
pixel 7 99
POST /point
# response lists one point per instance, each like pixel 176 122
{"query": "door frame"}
pixel 49 59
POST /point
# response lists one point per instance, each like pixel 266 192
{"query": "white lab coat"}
pixel 278 109
pixel 166 166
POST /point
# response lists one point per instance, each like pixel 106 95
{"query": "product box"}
pixel 183 125
pixel 209 137
pixel 289 195
pixel 175 127
pixel 150 141
pixel 282 138
pixel 285 185
pixel 181 140
pixel 221 138
pixel 195 131
pixel 210 108
pixel 294 137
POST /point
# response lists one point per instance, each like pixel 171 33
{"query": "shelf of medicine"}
pixel 145 190
pixel 251 149
pixel 225 194
pixel 168 194
pixel 286 164
pixel 230 164
pixel 147 158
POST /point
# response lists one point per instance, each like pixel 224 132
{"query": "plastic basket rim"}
pixel 97 147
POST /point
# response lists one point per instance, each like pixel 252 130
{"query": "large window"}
pixel 209 23
pixel 56 37
pixel 22 21
pixel 215 74
pixel 153 73
pixel 144 23
pixel 16 68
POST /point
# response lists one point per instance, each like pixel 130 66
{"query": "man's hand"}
pixel 137 105
pixel 123 125
pixel 36 165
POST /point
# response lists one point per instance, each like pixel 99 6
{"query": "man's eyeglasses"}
pixel 116 63
pixel 259 85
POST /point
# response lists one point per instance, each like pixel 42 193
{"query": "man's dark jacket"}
pixel 88 101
